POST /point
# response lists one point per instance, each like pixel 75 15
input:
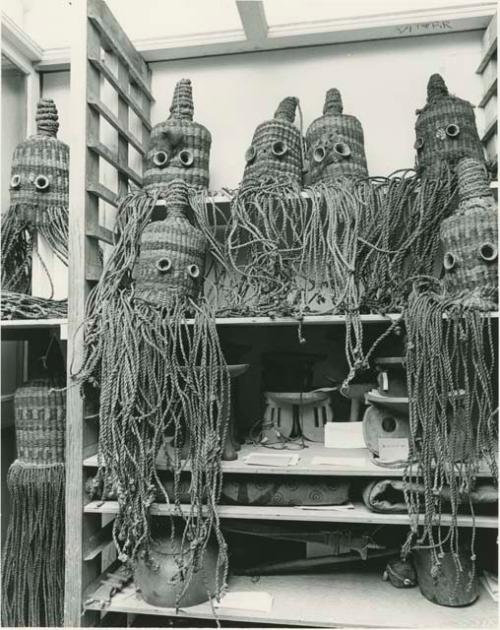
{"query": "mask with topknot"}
pixel 179 148
pixel 445 130
pixel 335 143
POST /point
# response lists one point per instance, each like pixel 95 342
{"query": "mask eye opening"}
pixel 193 271
pixel 488 252
pixel 163 265
pixel 419 143
pixel 15 181
pixel 279 148
pixel 186 157
pixel 342 149
pixel 388 424
pixel 250 154
pixel 160 158
pixel 452 130
pixel 449 261
pixel 41 182
pixel 319 154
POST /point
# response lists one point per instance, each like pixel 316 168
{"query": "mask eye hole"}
pixel 15 181
pixel 160 158
pixel 250 154
pixel 193 271
pixel 419 143
pixel 41 182
pixel 449 261
pixel 388 424
pixel 280 148
pixel 342 149
pixel 488 252
pixel 163 265
pixel 452 130
pixel 319 154
pixel 186 157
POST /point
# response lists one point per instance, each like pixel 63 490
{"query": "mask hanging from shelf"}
pixel 33 552
pixel 39 186
pixel 264 235
pixel 137 334
pixel 470 240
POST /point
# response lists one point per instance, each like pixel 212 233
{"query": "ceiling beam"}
pixel 253 19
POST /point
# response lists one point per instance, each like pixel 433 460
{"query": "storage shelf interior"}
pixel 344 598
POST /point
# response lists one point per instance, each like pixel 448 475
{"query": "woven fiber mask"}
pixel 172 255
pixel 34 543
pixel 276 149
pixel 179 148
pixel 39 186
pixel 335 143
pixel 445 129
pixel 469 238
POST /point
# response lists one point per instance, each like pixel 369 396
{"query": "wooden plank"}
pixel 108 115
pixel 103 151
pixel 489 45
pixel 341 598
pixel 112 80
pixel 98 542
pixel 336 514
pixel 101 233
pixel 491 129
pixel 491 91
pixel 124 118
pixel 344 463
pixel 93 272
pixel 115 38
pixel 253 19
pixel 35 324
pixel 102 192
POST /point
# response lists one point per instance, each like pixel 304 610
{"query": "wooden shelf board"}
pixel 13 328
pixel 335 514
pixel 340 599
pixel 342 466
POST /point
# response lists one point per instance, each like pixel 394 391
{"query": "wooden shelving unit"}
pixel 102 51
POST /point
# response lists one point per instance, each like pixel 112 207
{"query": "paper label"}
pixel 393 449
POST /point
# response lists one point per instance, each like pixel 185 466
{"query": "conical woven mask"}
pixel 40 167
pixel 470 240
pixel 445 129
pixel 171 263
pixel 276 149
pixel 179 148
pixel 335 143
pixel 40 419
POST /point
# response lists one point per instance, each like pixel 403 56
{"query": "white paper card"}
pixel 257 601
pixel 271 459
pixel 393 449
pixel 344 435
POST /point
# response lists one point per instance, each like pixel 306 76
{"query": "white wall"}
pixel 382 83
pixel 13 124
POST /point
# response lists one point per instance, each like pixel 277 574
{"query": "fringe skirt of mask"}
pixel 16 252
pixel 162 380
pixel 453 425
pixel 399 235
pixel 263 248
pixel 33 552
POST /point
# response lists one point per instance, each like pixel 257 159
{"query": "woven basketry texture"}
pixel 445 129
pixel 470 240
pixel 40 419
pixel 335 143
pixel 179 148
pixel 171 263
pixel 276 149
pixel 40 165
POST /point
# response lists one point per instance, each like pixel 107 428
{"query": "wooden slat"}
pixel 340 514
pixel 103 151
pixel 98 542
pixel 112 80
pixel 93 272
pixel 108 115
pixel 489 44
pixel 491 129
pixel 103 192
pixel 115 38
pixel 102 234
pixel 491 91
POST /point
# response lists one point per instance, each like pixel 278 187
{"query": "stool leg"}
pixel 355 409
pixel 229 453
